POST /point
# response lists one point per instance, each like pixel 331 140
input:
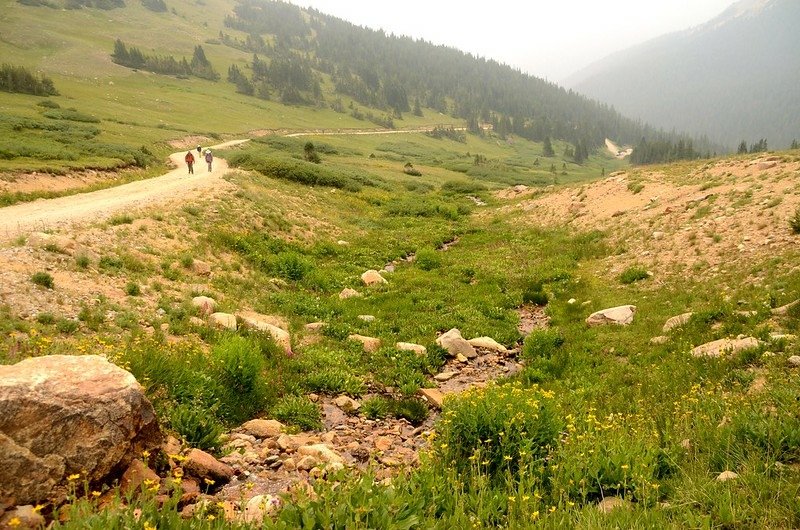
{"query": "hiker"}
pixel 190 162
pixel 198 150
pixel 209 158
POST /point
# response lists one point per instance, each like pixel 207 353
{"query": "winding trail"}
pixel 45 214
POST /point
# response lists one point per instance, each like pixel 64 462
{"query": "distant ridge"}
pixel 735 78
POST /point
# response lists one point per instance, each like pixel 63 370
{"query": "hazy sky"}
pixel 547 38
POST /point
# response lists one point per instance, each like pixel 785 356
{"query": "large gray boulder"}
pixel 621 316
pixel 455 344
pixel 63 415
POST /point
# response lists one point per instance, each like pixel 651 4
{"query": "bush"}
pixel 66 325
pixel 504 428
pixel 197 426
pixel 534 294
pixel 633 274
pixel 375 408
pixel 45 318
pixel 82 261
pixel 43 278
pixel 120 219
pixel 298 411
pixel 794 222
pixel 133 289
pixel 412 409
pixel 542 344
pixel 239 365
pixel 292 266
pixel 428 259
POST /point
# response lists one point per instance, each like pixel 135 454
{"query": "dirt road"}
pixel 46 214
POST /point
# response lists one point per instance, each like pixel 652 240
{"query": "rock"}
pixel 367 318
pixel 171 446
pixel 23 516
pixel 794 360
pixel 207 468
pixel 488 343
pixel 137 475
pixel 321 452
pixel 346 403
pixel 64 415
pixel 784 309
pixel 410 346
pixel 434 396
pixel 314 327
pixel 454 343
pixel 201 268
pixel 222 321
pixel 621 315
pixel 726 476
pixel 289 464
pixel 661 339
pixel 263 428
pixel 763 166
pixel 782 336
pixel 609 504
pixel 306 463
pixel 461 358
pixel 389 267
pixel 676 322
pixel 197 322
pixel 259 507
pixel 349 293
pixel 725 346
pixel 384 443
pixel 371 344
pixel 372 277
pixel 205 304
pixel 58 243
pixel 445 376
pixel 268 324
pixel 658 235
pixel 342 243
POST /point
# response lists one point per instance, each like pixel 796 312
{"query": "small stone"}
pixel 676 322
pixel 433 396
pixel 445 376
pixel 370 344
pixel 289 464
pixel 367 318
pixel 201 268
pixel 488 343
pixel 726 476
pixel 621 315
pixel 661 339
pixel 383 443
pixel 462 358
pixel 794 360
pixel 306 463
pixel 314 327
pixel 222 321
pixel 259 507
pixel 349 293
pixel 204 466
pixel 571 301
pixel 410 346
pixel 609 504
pixel 135 476
pixel 373 277
pixel 204 304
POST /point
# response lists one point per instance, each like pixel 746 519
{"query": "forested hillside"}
pixel 734 78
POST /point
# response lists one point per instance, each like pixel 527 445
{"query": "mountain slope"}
pixel 734 77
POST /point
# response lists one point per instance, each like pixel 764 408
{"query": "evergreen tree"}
pixel 547 148
pixel 742 148
pixel 795 145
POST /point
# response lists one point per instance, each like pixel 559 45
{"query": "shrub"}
pixel 298 411
pixel 428 259
pixel 120 219
pixel 412 409
pixel 66 325
pixel 534 294
pixel 238 364
pixel 45 318
pixel 794 222
pixel 82 261
pixel 633 274
pixel 43 278
pixel 542 344
pixel 504 428
pixel 375 408
pixel 196 425
pixel 133 289
pixel 292 266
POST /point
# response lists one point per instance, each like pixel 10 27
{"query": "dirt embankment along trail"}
pixel 82 207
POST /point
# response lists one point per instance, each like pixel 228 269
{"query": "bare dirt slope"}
pixel 57 213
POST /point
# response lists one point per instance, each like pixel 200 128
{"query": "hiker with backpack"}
pixel 209 158
pixel 190 162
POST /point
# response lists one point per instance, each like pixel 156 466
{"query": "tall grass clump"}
pixel 794 222
pixel 633 274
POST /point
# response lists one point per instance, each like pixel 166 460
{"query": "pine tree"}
pixel 547 148
pixel 742 148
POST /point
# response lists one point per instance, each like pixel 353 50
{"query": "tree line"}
pixel 20 80
pixel 133 57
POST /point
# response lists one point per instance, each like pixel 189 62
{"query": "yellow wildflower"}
pixel 74 476
pixel 38 508
pixel 95 493
pixel 208 481
pixel 15 522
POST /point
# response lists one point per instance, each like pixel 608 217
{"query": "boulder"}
pixel 371 344
pixel 222 321
pixel 784 309
pixel 201 268
pixel 434 396
pixel 320 452
pixel 62 415
pixel 455 344
pixel 621 315
pixel 268 324
pixel 488 343
pixel 349 293
pixel 346 403
pixel 207 468
pixel 410 346
pixel 721 347
pixel 206 305
pixel 372 277
pixel 676 322
pixel 794 360
pixel 263 428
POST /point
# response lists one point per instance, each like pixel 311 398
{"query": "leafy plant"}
pixel 794 222
pixel 133 289
pixel 633 274
pixel 45 279
pixel 196 425
pixel 298 411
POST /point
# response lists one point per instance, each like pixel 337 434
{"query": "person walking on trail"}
pixel 209 158
pixel 190 161
pixel 198 150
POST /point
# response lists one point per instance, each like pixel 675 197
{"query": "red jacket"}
pixel 189 158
